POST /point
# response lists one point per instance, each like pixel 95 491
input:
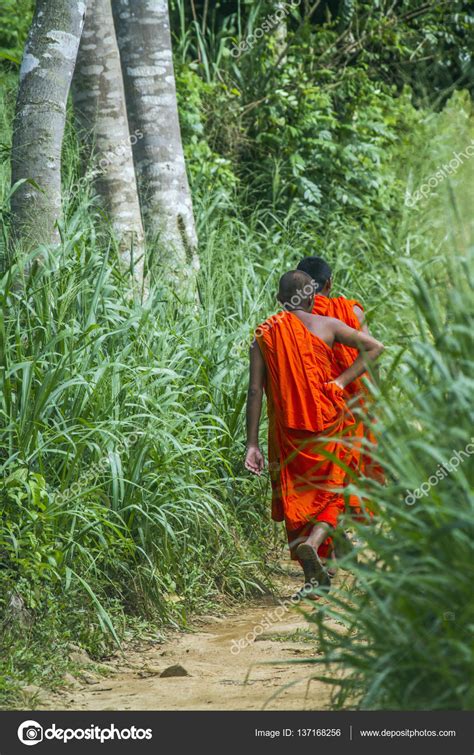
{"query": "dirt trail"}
pixel 218 679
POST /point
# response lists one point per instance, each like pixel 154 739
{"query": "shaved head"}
pixel 296 290
pixel 318 269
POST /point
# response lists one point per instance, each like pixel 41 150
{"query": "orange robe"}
pixel 304 414
pixel 343 309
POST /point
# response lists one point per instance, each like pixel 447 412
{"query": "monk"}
pixel 291 359
pixel 351 312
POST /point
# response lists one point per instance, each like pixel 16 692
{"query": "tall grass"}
pixel 121 426
pixel 121 433
pixel 83 368
pixel 121 440
pixel 407 609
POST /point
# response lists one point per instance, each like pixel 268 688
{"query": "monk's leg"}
pixel 320 539
pixel 318 534
pixel 314 572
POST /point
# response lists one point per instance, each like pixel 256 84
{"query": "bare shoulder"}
pixel 323 327
pixel 314 322
pixel 329 323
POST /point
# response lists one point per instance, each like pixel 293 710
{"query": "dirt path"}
pixel 221 676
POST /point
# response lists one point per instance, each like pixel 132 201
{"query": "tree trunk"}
pixel 280 34
pixel 99 101
pixel 38 129
pixel 144 37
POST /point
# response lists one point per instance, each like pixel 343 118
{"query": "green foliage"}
pixel 323 149
pixel 121 444
pixel 408 620
pixel 426 45
pixel 406 607
pixel 123 497
pixel 15 18
pixel 83 371
pixel 200 105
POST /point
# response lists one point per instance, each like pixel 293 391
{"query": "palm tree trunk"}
pixel 99 101
pixel 40 116
pixel 280 34
pixel 143 31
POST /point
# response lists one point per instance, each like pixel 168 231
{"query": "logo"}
pixel 30 733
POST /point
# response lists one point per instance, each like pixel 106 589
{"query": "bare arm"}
pixel 360 314
pixel 254 461
pixel 369 350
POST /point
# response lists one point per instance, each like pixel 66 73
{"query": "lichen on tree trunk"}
pixel 40 116
pixel 144 37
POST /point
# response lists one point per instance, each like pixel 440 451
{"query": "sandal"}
pixel 314 572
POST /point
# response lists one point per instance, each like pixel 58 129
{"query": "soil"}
pixel 205 668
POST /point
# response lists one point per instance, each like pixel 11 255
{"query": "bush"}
pixel 407 610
